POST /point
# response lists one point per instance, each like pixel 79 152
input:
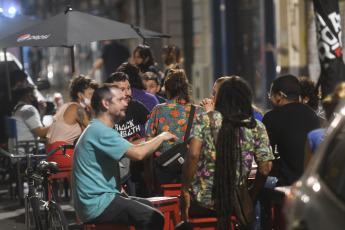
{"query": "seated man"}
pixel 28 113
pixel 95 171
pixel 130 129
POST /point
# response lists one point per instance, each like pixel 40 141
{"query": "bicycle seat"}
pixel 44 166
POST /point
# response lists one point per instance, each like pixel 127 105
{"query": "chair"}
pixel 14 147
pixel 169 206
pixel 170 190
pixel 64 172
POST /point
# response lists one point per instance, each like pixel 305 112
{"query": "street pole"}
pixel 224 50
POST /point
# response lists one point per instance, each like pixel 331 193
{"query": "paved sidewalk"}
pixel 12 214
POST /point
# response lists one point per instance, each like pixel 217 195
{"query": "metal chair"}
pixel 15 146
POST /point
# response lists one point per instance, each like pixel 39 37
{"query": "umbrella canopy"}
pixel 71 28
pixel 8 27
pixel 11 25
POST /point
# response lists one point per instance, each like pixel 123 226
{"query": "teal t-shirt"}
pixel 94 169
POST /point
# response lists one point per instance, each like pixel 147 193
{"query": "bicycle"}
pixel 37 197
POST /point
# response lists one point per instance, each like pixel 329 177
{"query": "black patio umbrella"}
pixel 71 28
pixel 11 25
pixel 8 27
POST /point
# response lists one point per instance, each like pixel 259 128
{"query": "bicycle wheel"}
pixel 56 217
pixel 34 214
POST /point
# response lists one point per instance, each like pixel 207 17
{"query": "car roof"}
pixel 13 64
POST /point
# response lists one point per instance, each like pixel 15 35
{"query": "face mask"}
pixel 85 102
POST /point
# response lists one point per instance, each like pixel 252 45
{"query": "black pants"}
pixel 199 211
pixel 131 211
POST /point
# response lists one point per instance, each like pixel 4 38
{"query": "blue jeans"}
pixel 263 206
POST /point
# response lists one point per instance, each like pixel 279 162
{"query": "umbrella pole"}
pixel 8 77
pixel 72 60
pixel 22 57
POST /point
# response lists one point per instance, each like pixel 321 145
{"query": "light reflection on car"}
pixel 317 199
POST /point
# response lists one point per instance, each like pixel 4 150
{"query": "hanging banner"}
pixel 329 44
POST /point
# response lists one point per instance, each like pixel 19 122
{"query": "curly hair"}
pixel 176 85
pixel 308 89
pixel 330 102
pixel 80 84
pixel 133 73
pixel 173 54
pixel 234 102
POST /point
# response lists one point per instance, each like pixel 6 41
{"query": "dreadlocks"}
pixel 234 101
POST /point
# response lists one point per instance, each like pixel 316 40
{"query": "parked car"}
pixel 317 199
pixel 14 64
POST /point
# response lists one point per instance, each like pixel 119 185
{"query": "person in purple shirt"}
pixel 137 86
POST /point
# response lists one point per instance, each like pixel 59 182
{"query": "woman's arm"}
pixel 264 168
pixel 189 168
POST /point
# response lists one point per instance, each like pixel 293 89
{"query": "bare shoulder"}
pixel 72 108
pixel 72 113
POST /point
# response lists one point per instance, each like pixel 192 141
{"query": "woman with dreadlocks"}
pixel 212 171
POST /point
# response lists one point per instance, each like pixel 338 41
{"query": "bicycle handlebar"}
pixel 29 155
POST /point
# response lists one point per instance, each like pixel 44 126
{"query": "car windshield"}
pixel 332 171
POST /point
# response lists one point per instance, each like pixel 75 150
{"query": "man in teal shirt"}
pixel 95 173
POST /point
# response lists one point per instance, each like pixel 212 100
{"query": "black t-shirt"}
pixel 287 128
pixel 129 128
pixel 160 99
pixel 136 115
pixel 114 54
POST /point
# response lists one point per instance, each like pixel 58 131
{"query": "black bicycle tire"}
pixel 34 214
pixel 42 196
pixel 55 211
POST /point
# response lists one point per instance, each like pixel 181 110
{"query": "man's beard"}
pixel 128 98
pixel 119 117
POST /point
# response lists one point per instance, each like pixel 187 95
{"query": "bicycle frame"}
pixel 31 178
pixel 29 200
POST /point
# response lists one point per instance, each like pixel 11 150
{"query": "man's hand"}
pixel 207 104
pixel 42 106
pixel 141 151
pixel 168 136
pixel 185 204
pixel 123 193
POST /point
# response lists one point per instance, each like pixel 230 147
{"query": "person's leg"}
pixel 198 211
pixel 265 198
pixel 132 211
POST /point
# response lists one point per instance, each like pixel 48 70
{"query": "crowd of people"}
pixel 122 126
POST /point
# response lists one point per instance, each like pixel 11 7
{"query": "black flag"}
pixel 329 44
